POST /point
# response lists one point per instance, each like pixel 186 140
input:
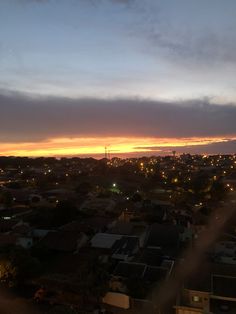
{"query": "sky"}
pixel 142 77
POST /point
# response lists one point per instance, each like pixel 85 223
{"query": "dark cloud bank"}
pixel 32 119
pixel 227 147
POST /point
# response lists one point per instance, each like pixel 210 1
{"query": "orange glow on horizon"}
pixel 95 146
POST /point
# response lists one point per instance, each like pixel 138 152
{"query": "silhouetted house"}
pixel 7 225
pixel 117 246
pixel 7 240
pixel 165 237
pixel 211 289
pixel 20 196
pixel 77 226
pixel 104 240
pixel 63 241
pixel 98 205
pixel 99 223
pixel 151 256
pixel 22 229
pixel 155 274
pixel 137 280
pixel 122 227
pixel 224 287
pixel 15 212
pixel 25 242
pixel 125 248
pixel 129 270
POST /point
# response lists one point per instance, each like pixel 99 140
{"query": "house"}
pixel 104 240
pixel 15 232
pixel 22 228
pixel 151 256
pixel 20 196
pixel 15 212
pixel 165 237
pixel 118 247
pixel 58 194
pixel 137 281
pixel 78 226
pixel 98 205
pixel 162 236
pixel 38 234
pixel 7 225
pixel 116 299
pixel 62 241
pixel 125 248
pixel 225 252
pixel 212 289
pixel 98 223
pixel 129 215
pixel 137 229
pixel 154 257
pixel 122 227
pixel 7 240
pixel 137 271
pixel 25 242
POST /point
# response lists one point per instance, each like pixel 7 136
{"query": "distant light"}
pixel 114 185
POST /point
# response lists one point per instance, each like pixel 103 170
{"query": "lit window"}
pixel 196 298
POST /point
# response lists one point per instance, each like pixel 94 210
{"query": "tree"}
pixel 218 190
pixel 6 198
pixel 84 188
pixel 16 266
pixel 64 212
pixel 8 272
pixel 136 198
pixel 200 187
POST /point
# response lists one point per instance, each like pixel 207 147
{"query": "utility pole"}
pixel 105 152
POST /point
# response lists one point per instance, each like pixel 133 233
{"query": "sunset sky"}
pixel 142 77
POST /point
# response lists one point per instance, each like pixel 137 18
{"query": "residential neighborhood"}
pixel 115 235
